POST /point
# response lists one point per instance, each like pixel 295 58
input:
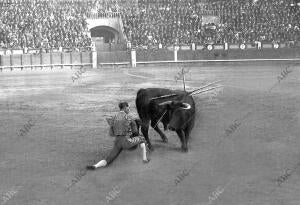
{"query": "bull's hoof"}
pixel 184 149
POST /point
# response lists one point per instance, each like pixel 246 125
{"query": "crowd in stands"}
pixel 62 23
pixel 102 7
pixel 182 22
pixel 41 23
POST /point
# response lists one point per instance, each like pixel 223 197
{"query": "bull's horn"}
pixel 187 106
pixel 165 103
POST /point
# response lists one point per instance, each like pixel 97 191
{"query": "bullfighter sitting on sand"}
pixel 126 134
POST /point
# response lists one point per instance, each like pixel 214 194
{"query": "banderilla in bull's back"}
pixel 194 92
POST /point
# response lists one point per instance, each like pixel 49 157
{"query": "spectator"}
pixel 163 21
pixel 40 23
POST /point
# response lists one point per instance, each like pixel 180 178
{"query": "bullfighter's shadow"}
pixel 166 146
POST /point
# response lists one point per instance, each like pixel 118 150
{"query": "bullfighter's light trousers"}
pixel 121 143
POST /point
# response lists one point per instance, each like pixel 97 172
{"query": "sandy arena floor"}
pixel 67 130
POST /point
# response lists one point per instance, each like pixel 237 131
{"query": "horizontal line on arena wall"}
pixel 28 89
pixel 44 65
pixel 233 60
pixel 192 61
pixel 116 63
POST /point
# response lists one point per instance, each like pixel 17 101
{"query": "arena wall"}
pixel 165 55
pixel 154 55
pixel 141 55
pixel 113 57
pixel 282 53
pixel 86 59
pixel 43 60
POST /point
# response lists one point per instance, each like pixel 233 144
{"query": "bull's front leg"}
pixel 154 125
pixel 183 140
pixel 145 129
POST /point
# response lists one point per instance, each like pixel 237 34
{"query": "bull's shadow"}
pixel 170 147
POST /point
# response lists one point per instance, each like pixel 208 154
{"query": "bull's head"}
pixel 177 111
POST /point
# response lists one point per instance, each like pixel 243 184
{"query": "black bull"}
pixel 177 113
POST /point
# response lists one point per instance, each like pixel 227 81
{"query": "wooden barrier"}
pixel 214 56
pixel 113 57
pixel 79 59
pixel 43 60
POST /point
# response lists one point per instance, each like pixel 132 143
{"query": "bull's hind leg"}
pixel 145 129
pixel 183 140
pixel 154 125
